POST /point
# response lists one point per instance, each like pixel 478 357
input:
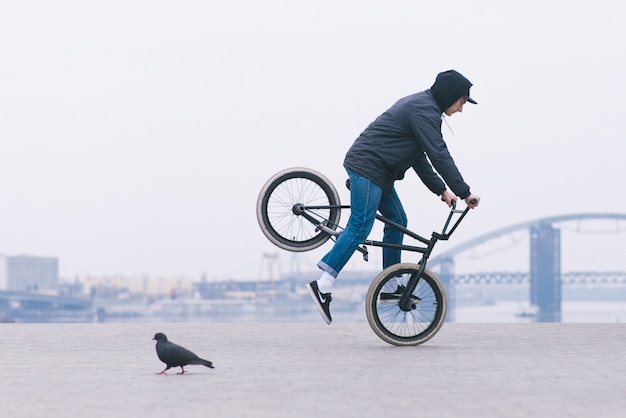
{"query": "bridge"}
pixel 39 307
pixel 544 275
pixel 587 277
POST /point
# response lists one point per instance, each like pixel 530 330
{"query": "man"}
pixel 407 135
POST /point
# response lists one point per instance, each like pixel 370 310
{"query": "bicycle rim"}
pixel 276 216
pixel 396 326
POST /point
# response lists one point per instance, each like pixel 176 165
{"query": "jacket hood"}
pixel 449 87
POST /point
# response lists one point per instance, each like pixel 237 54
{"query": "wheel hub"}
pixel 298 209
pixel 407 306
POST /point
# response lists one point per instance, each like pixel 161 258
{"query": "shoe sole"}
pixel 317 303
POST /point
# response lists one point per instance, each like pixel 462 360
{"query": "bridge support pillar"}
pixel 446 276
pixel 545 272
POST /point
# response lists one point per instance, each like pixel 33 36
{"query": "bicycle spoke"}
pixel 280 208
pixel 290 189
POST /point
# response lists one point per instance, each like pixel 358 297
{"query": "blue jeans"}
pixel 365 199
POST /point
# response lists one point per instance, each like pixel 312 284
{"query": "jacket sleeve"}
pixel 429 135
pixel 428 176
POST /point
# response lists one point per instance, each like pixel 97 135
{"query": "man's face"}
pixel 456 107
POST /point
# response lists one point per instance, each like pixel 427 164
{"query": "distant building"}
pixel 29 273
pixel 116 285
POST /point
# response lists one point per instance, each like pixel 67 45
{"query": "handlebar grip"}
pixel 473 202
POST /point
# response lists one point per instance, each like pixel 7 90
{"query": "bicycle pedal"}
pixel 363 250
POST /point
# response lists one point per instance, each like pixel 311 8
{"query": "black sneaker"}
pixel 395 296
pixel 322 300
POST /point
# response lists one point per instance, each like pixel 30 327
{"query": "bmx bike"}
pixel 298 210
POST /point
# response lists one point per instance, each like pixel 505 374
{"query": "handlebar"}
pixel 473 202
pixel 445 235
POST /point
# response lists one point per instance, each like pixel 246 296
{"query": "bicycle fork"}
pixel 405 303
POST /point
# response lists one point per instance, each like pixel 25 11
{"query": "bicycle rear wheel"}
pixel 286 197
pixel 389 321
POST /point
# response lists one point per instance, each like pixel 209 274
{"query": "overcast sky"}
pixel 135 135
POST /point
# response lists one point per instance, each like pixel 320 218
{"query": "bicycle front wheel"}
pixel 415 324
pixel 293 204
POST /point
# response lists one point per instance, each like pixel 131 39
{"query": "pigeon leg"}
pixel 163 371
pixel 183 370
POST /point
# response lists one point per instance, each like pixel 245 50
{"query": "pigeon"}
pixel 174 355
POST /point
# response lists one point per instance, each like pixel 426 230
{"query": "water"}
pixel 580 303
pixel 571 312
pixel 474 303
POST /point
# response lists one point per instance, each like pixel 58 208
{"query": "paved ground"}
pixel 311 370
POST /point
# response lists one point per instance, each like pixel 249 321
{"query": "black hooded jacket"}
pixel 409 135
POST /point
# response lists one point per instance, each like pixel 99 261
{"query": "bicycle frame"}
pixel 429 244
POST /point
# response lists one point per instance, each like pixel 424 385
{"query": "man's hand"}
pixel 448 197
pixel 472 201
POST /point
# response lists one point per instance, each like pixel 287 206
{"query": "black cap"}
pixel 449 87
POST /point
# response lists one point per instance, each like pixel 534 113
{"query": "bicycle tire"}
pixel 391 323
pixel 275 209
